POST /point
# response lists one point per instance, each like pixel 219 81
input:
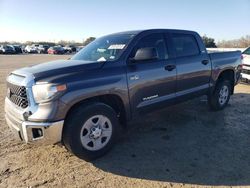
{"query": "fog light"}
pixel 37 132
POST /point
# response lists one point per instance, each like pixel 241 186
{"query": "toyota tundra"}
pixel 84 102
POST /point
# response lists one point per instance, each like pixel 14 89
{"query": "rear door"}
pixel 151 82
pixel 193 65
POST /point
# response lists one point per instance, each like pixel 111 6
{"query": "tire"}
pixel 91 131
pixel 218 100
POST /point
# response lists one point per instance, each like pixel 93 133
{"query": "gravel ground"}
pixel 182 146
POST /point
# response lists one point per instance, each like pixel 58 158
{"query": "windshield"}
pixel 107 48
pixel 247 51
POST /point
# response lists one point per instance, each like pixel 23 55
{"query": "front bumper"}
pixel 245 76
pixel 32 132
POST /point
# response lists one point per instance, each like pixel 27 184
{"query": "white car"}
pixel 30 49
pixel 246 64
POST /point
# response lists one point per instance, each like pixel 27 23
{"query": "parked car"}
pixel 56 50
pixel 78 48
pixel 6 49
pixel 18 49
pixel 246 65
pixel 83 102
pixel 69 49
pixel 30 49
pixel 42 49
pixel 35 46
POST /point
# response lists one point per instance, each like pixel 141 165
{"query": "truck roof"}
pixel 135 32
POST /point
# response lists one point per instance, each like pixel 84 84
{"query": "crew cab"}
pixel 85 101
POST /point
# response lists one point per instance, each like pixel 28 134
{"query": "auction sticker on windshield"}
pixel 116 46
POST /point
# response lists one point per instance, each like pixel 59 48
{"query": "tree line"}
pixel 242 42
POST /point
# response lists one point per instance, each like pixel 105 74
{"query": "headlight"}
pixel 46 92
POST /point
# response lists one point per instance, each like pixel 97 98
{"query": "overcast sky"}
pixel 53 20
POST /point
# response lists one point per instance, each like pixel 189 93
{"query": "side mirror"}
pixel 145 54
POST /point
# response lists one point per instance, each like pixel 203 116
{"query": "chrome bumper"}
pixel 245 76
pixel 32 132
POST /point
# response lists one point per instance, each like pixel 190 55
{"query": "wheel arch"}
pixel 112 100
pixel 227 74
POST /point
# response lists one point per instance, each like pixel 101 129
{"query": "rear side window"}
pixel 156 41
pixel 185 45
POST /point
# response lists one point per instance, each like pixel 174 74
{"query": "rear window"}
pixel 185 45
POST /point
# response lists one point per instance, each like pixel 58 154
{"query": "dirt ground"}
pixel 185 145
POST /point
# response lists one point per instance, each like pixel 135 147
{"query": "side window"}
pixel 156 41
pixel 185 45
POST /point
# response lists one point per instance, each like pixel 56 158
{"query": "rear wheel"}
pixel 91 131
pixel 221 95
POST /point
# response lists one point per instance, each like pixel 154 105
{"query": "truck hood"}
pixel 60 67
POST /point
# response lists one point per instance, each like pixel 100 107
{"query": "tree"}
pixel 209 42
pixel 243 42
pixel 88 40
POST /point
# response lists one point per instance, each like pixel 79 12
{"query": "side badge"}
pixel 150 97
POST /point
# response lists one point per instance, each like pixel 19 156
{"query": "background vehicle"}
pixel 30 49
pixel 18 49
pixel 7 49
pixel 85 101
pixel 42 49
pixel 56 50
pixel 246 65
pixel 78 48
pixel 69 49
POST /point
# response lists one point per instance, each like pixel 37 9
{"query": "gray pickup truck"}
pixel 84 102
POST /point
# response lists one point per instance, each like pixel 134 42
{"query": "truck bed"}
pixel 225 58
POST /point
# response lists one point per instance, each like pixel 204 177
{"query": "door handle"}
pixel 170 67
pixel 205 62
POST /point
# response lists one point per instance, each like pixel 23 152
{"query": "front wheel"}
pixel 221 95
pixel 91 131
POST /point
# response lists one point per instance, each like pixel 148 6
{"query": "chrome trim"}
pixel 51 131
pixel 245 76
pixel 22 78
pixel 13 110
pixel 245 67
pixel 22 129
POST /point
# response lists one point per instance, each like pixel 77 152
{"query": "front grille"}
pixel 17 95
pixel 244 71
